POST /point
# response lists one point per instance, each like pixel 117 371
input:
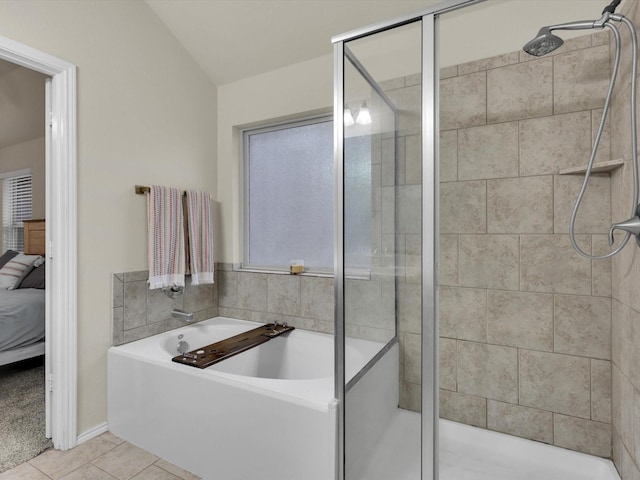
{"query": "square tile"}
pixel 252 291
pixel 409 307
pixel 558 383
pixel 88 472
pixel 520 319
pixel 227 288
pixel 488 151
pixel 582 435
pixel 124 461
pixel 448 364
pixel 549 144
pixel 448 261
pixel 550 264
pixel 57 464
pixel 463 207
pixel 24 471
pixel 283 294
pixel 317 298
pixel 463 408
pixel 601 391
pixel 594 215
pixel 463 313
pixel 463 101
pixel 520 421
pixel 581 79
pixel 155 473
pixel 449 156
pixel 520 205
pixel 582 326
pixel 524 90
pixel 135 304
pixel 412 357
pixel 177 471
pixel 489 261
pixel 488 371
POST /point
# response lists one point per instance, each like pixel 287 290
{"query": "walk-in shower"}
pixel 546 42
pixel 454 242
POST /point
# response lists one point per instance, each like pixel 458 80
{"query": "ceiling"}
pixel 235 39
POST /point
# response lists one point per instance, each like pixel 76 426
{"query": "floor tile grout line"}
pixel 102 470
pixel 29 462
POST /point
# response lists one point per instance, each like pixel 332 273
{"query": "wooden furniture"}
pixel 216 352
pixel 34 237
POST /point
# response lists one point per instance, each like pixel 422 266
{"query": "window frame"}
pixel 8 175
pixel 245 133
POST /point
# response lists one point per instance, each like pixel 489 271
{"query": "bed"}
pixel 22 310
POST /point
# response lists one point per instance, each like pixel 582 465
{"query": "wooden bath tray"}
pixel 204 357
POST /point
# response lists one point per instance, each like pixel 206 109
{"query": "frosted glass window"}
pixel 289 198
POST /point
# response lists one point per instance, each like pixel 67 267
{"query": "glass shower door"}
pixel 380 269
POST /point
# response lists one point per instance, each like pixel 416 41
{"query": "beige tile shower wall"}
pixel 625 282
pixel 139 312
pixel 406 93
pixel 301 301
pixel 525 322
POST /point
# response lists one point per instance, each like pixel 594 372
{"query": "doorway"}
pixel 23 430
pixel 60 238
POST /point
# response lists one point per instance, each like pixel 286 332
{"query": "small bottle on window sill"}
pixel 296 266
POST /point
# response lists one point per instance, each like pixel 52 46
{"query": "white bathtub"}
pixel 267 413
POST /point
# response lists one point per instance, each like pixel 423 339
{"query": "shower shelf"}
pixel 599 167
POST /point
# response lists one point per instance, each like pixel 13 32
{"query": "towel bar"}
pixel 141 190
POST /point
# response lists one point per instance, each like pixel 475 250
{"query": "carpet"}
pixel 22 412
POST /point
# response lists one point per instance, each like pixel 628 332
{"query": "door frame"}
pixel 61 238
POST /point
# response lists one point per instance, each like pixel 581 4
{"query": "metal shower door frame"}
pixel 430 231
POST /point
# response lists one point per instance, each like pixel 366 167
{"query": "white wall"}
pixel 303 88
pixel 486 29
pixel 146 115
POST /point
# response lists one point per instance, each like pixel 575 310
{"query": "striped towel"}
pixel 200 237
pixel 166 237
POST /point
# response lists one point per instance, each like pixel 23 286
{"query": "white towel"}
pixel 200 237
pixel 166 247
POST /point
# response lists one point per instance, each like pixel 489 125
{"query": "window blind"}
pixel 16 207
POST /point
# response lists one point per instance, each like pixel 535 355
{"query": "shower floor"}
pixel 469 453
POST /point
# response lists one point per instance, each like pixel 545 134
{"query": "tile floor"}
pixel 105 457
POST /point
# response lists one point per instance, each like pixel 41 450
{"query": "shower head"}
pixel 545 42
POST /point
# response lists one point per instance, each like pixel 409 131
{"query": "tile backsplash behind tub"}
pixel 302 301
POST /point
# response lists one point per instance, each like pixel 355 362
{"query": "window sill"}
pixel 273 271
pixel 351 275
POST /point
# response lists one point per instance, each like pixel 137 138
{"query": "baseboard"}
pixel 92 433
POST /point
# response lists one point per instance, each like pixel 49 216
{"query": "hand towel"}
pixel 200 237
pixel 166 247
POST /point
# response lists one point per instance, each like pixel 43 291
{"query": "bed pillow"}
pixel 34 279
pixel 16 269
pixel 6 256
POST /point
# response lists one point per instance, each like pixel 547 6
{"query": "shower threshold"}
pixel 470 453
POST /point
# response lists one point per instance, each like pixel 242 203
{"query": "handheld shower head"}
pixel 545 42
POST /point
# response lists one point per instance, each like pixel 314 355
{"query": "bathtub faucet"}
pixel 182 315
